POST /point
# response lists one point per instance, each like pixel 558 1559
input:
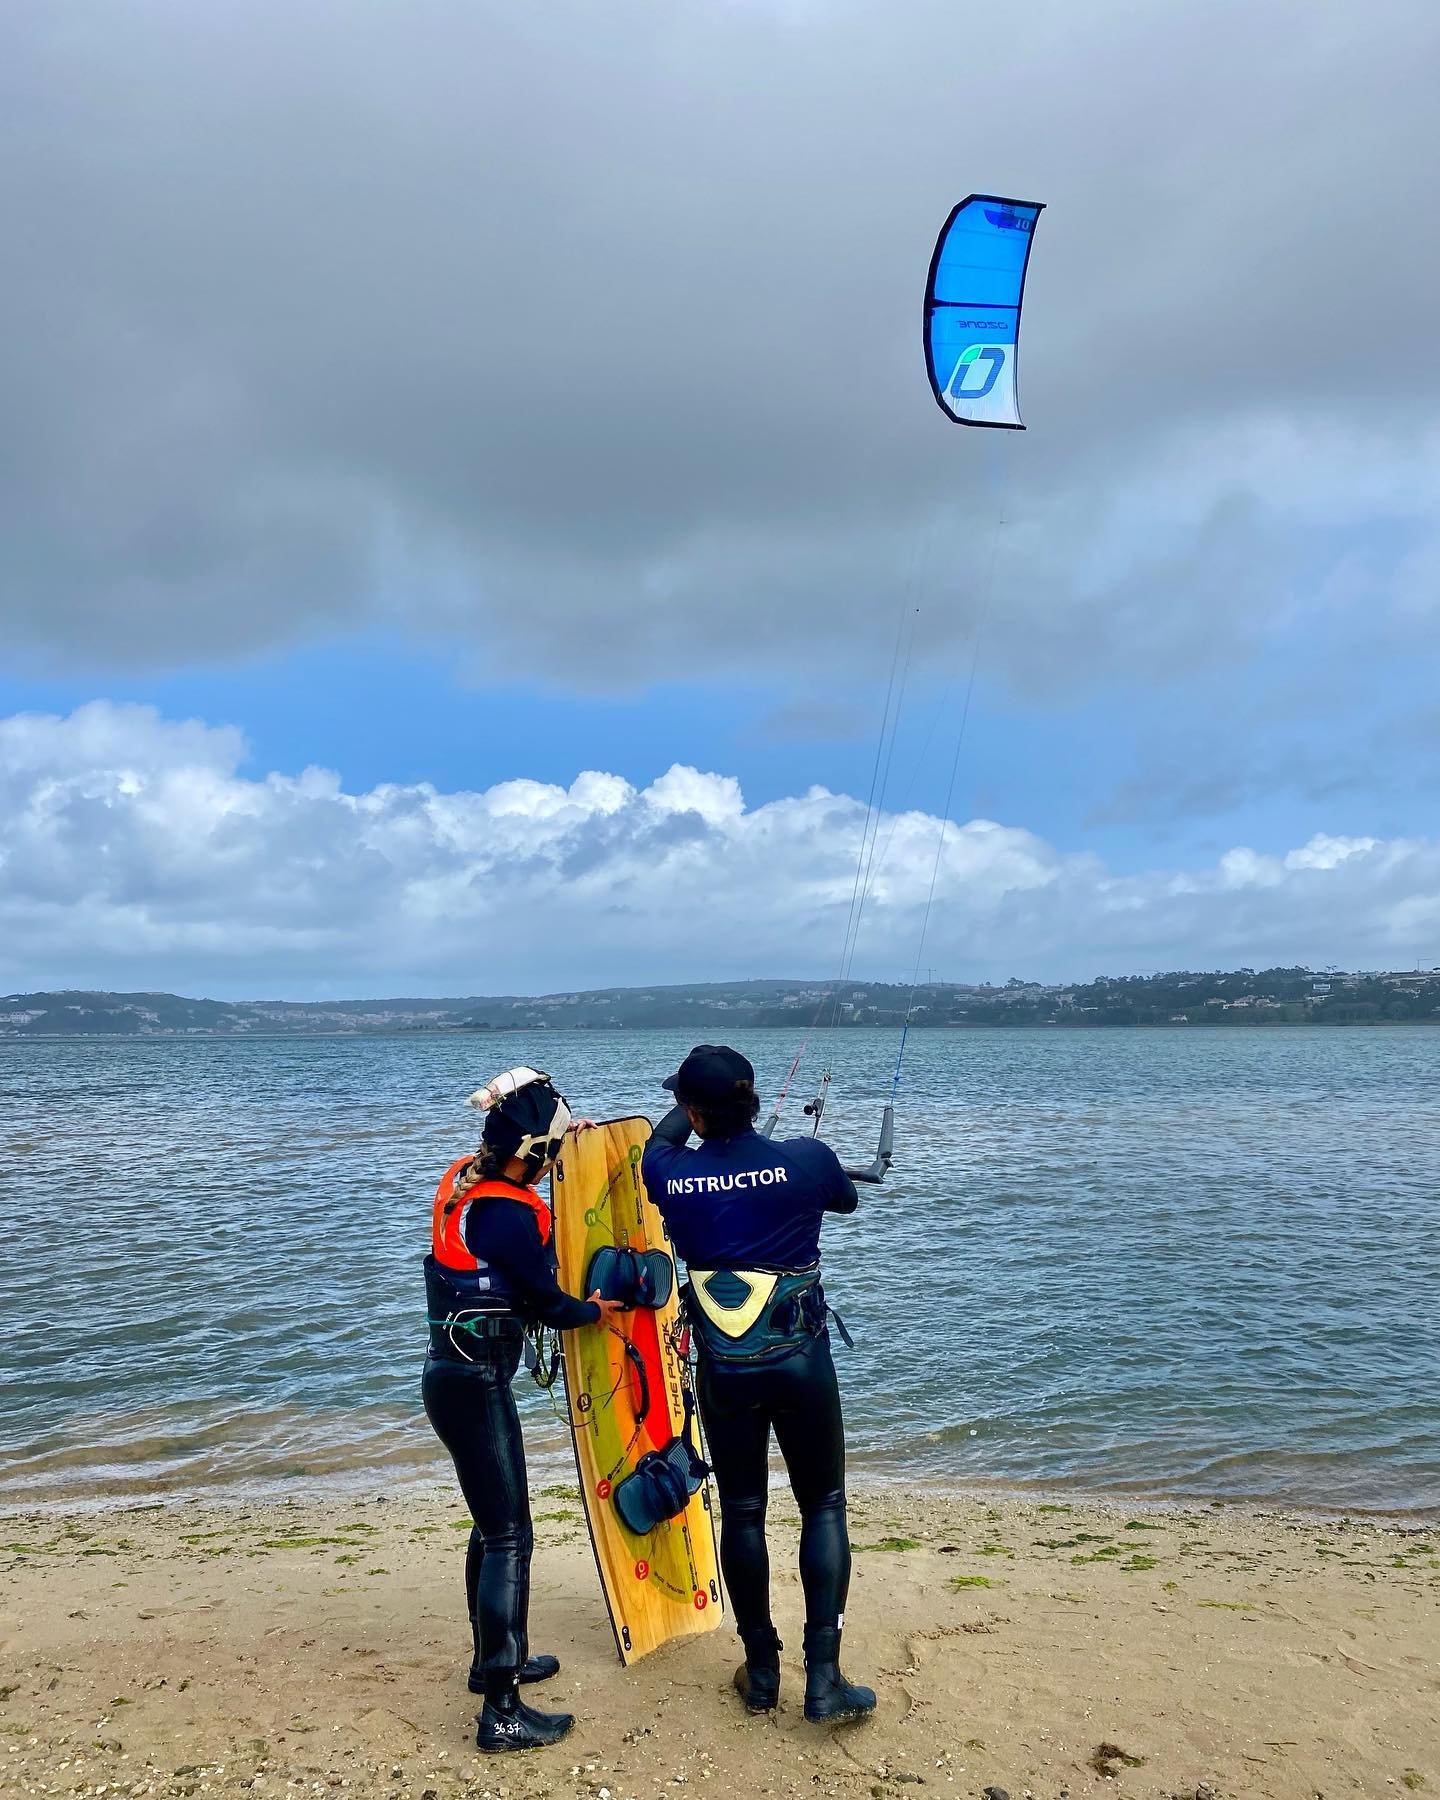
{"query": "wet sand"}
pixel 1041 1649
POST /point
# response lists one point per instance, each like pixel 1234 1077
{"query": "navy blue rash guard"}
pixel 744 1202
pixel 504 1234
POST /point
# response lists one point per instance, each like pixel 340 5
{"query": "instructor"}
pixel 490 1274
pixel 745 1214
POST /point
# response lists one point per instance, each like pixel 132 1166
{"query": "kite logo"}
pixel 1009 221
pixel 958 388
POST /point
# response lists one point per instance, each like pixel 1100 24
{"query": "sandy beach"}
pixel 1041 1649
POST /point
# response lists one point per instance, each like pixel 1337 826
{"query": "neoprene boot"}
pixel 757 1680
pixel 535 1668
pixel 829 1698
pixel 508 1724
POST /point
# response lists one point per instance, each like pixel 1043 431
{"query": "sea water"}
pixel 1183 1263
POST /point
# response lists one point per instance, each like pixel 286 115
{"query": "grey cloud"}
pixel 819 716
pixel 509 322
pixel 592 847
pixel 1368 744
pixel 1421 727
pixel 1210 780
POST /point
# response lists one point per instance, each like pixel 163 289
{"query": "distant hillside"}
pixel 82 1013
pixel 1286 996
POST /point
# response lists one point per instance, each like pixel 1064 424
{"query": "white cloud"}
pixel 1323 852
pixel 136 852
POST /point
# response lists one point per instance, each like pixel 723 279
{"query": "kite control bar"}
pixel 884 1151
pixel 874 1171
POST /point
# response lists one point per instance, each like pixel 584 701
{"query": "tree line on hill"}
pixel 1241 997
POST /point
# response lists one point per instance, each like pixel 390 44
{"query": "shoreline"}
pixel 550 1456
pixel 338 1490
pixel 177 1648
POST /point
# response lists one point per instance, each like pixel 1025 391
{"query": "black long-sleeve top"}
pixel 505 1234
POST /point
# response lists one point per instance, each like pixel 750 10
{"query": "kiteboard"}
pixel 626 1391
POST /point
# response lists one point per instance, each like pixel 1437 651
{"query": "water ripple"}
pixel 1157 1262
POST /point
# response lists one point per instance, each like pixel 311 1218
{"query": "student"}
pixel 745 1214
pixel 490 1274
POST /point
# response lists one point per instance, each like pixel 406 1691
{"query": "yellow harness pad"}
pixel 733 1321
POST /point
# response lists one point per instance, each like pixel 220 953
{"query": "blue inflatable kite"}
pixel 972 309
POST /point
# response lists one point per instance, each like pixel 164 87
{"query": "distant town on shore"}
pixel 1239 997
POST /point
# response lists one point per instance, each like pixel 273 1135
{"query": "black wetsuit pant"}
pixel 800 1399
pixel 473 1411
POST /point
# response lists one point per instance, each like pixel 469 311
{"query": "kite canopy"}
pixel 972 309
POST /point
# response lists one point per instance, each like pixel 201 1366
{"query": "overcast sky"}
pixel 429 435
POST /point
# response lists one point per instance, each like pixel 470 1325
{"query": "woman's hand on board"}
pixel 610 1310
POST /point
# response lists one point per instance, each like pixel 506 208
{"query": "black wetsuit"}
pixel 466 1391
pixel 749 1203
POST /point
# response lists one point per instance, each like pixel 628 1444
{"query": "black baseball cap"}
pixel 708 1075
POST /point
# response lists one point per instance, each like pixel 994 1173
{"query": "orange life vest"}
pixel 448 1229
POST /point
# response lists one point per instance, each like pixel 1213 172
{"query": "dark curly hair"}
pixel 729 1117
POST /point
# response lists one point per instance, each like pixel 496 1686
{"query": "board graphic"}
pixel 625 1393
